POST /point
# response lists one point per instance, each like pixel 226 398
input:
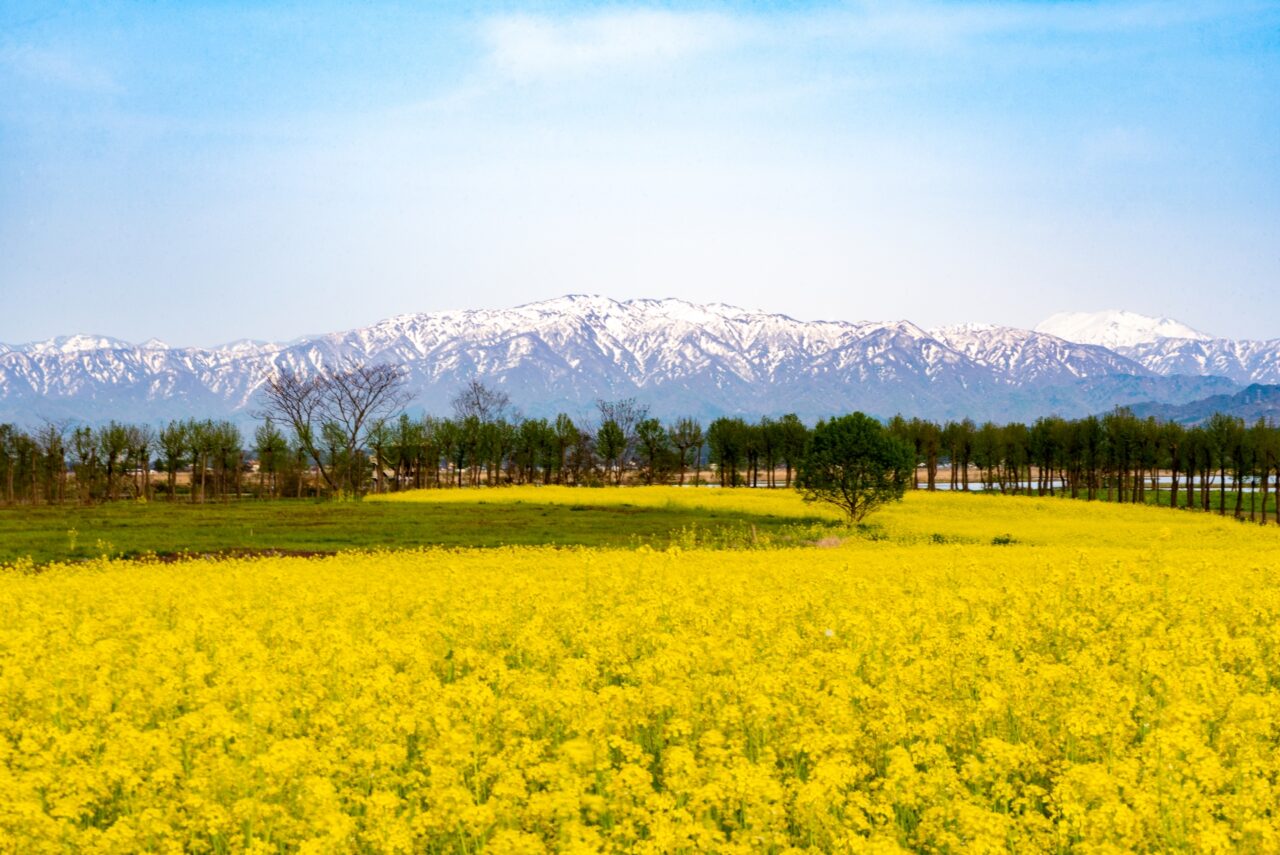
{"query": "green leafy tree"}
pixel 227 449
pixel 532 438
pixel 84 447
pixel 173 444
pixel 566 436
pixel 626 415
pixel 273 450
pixel 113 446
pixel 855 464
pixel 655 450
pixel 50 441
pixel 9 458
pixel 793 436
pixel 726 438
pixel 611 444
pixel 142 440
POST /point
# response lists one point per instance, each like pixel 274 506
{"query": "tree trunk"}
pixel 1239 511
pixel 195 464
pixel 1266 484
pixel 1222 491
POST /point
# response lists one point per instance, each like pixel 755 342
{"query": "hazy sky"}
pixel 208 171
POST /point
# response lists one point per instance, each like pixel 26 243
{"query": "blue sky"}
pixel 202 172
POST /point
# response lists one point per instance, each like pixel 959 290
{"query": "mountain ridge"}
pixel 679 356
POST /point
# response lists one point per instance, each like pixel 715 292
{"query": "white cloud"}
pixel 933 26
pixel 527 46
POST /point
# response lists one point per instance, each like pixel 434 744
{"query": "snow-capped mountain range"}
pixel 676 356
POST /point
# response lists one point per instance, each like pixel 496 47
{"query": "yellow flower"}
pixel 1106 683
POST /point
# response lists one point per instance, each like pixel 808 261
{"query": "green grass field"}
pixel 129 529
pixel 1160 498
pixel 1249 501
pixel 170 530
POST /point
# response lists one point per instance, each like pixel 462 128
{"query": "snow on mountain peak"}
pixel 679 356
pixel 74 344
pixel 241 346
pixel 961 331
pixel 1115 328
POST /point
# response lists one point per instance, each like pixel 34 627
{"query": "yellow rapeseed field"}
pixel 1101 679
pixel 778 502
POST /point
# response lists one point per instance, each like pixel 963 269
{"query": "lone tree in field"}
pixel 854 464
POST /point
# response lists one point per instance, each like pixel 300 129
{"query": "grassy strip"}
pixel 128 529
pixel 1161 499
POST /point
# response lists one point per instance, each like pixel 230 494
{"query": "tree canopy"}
pixel 855 464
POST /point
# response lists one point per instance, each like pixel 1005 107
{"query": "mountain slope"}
pixel 1030 357
pixel 1244 362
pixel 1254 402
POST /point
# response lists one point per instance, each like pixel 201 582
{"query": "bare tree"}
pixel 627 413
pixel 481 402
pixel 329 413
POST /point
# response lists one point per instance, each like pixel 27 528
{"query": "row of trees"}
pixel 345 432
pixel 1116 457
pixel 620 441
pixel 343 423
pixel 56 463
pixel 322 438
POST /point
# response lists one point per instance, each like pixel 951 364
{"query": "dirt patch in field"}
pixel 175 557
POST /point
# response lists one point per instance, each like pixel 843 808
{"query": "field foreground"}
pixel 1103 679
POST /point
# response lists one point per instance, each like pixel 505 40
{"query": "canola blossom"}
pixel 976 518
pixel 1105 680
pixel 784 503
